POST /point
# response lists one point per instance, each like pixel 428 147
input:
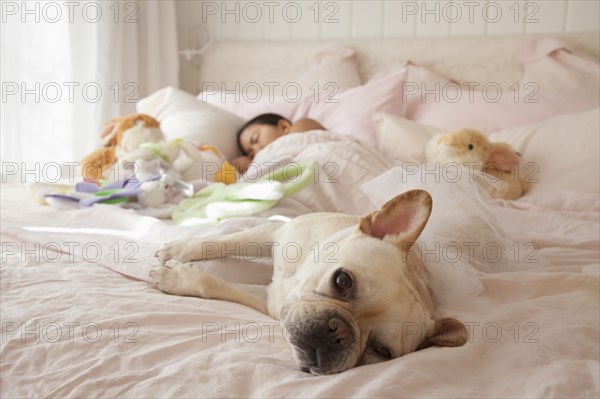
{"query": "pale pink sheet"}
pixel 533 333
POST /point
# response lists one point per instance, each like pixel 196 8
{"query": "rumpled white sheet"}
pixel 344 164
pixel 534 332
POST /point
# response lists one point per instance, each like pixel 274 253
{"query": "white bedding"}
pixel 343 165
pixel 533 332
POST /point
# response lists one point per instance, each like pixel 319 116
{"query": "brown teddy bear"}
pixel 120 136
pixel 473 149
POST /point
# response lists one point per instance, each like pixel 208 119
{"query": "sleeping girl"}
pixel 262 130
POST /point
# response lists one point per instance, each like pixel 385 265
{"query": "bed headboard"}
pixel 475 58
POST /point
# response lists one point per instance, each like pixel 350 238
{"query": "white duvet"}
pixel 79 319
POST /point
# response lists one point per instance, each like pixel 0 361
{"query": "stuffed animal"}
pixel 153 193
pixel 156 192
pixel 472 149
pixel 219 201
pixel 184 161
pixel 120 137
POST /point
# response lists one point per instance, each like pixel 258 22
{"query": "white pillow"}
pixel 558 154
pixel 184 116
pixel 402 139
pixel 331 66
pixel 331 72
pixel 563 152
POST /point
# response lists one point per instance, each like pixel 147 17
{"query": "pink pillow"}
pixel 554 82
pixel 331 72
pixel 352 114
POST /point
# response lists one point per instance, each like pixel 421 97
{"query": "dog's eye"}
pixel 343 282
pixel 471 146
pixel 382 351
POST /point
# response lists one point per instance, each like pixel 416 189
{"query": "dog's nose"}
pixel 333 333
pixel 340 331
pixel 323 345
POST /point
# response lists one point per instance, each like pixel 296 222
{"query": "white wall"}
pixel 345 19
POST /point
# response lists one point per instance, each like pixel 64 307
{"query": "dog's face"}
pixel 370 301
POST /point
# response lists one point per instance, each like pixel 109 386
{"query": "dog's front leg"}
pixel 178 278
pixel 254 242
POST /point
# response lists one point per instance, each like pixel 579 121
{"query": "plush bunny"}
pixel 153 193
pixel 472 149
pixel 120 137
pixel 184 161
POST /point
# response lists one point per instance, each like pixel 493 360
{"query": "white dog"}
pixel 365 302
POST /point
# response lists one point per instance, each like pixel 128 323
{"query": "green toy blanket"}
pixel 220 201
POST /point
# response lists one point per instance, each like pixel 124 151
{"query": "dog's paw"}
pixel 178 278
pixel 170 278
pixel 181 250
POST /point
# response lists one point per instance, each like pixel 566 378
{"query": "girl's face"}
pixel 256 137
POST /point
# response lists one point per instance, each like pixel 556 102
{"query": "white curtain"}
pixel 67 67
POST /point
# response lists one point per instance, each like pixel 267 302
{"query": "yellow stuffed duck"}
pixel 472 149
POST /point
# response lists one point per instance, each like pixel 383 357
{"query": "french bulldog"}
pixel 365 299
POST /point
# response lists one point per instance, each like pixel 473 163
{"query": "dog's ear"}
pixel 448 332
pixel 400 220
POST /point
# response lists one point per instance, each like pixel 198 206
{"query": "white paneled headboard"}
pixel 232 65
pixel 296 22
pixel 361 19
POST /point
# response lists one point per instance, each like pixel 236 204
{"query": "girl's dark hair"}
pixel 262 119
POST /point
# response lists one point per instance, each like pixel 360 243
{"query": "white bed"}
pixel 79 318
